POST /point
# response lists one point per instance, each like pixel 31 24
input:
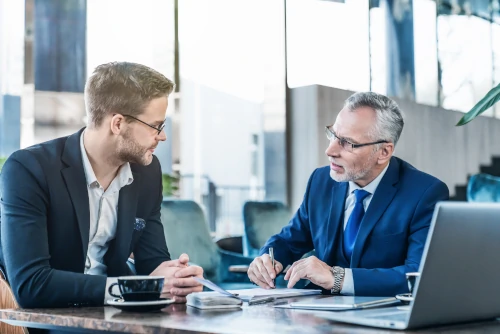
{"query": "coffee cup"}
pixel 411 279
pixel 138 288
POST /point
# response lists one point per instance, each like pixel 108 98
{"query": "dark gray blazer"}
pixel 45 226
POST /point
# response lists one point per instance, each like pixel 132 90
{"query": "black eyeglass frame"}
pixel 159 128
pixel 331 135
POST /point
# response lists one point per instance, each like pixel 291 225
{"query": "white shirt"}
pixel 103 208
pixel 348 286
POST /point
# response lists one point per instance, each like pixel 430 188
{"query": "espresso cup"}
pixel 411 279
pixel 138 288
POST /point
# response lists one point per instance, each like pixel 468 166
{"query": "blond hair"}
pixel 122 88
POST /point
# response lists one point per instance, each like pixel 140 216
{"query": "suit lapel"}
pixel 76 183
pixel 127 207
pixel 339 194
pixel 381 199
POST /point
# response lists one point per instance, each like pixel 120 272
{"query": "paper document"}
pixel 257 295
pixel 249 294
pixel 339 303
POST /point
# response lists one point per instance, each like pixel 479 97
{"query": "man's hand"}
pixel 179 280
pixel 262 273
pixel 313 269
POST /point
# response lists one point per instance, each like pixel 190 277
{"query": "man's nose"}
pixel 333 148
pixel 162 136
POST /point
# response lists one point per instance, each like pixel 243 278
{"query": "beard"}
pixel 353 174
pixel 131 151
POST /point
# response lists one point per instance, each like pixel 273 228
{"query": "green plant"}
pixel 2 161
pixel 484 104
pixel 170 185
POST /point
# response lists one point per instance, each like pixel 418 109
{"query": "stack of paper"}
pixel 221 298
pixel 211 300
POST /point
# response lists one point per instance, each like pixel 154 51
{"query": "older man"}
pixel 367 214
pixel 74 208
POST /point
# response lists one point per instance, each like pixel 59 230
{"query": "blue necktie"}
pixel 352 227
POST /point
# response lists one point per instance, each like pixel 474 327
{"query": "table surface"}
pixel 179 318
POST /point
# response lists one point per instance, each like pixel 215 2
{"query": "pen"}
pixel 271 254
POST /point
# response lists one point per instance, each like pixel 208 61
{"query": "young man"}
pixel 357 253
pixel 73 209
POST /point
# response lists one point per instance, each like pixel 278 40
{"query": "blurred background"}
pixel 257 81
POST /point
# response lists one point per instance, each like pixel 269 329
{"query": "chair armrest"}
pixel 232 244
pixel 229 259
pixel 238 268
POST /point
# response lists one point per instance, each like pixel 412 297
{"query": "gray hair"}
pixel 389 117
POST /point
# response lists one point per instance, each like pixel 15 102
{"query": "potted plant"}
pixel 170 185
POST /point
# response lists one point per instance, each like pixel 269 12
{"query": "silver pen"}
pixel 271 254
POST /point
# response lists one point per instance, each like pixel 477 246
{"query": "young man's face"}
pixel 140 140
pixel 353 164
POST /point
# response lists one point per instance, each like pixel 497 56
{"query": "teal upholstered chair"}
pixel 262 220
pixel 186 231
pixel 483 188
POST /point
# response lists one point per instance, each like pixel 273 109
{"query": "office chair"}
pixel 186 231
pixel 483 188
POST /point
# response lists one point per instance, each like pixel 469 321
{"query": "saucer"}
pixel 147 306
pixel 405 297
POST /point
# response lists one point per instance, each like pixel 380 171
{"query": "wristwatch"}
pixel 338 277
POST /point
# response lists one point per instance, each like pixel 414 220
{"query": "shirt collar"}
pixel 370 187
pixel 124 175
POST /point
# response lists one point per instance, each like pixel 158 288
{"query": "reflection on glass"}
pixel 466 60
pixel 426 72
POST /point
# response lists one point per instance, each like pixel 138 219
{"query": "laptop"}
pixel 460 273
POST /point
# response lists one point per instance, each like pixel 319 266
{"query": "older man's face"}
pixel 357 165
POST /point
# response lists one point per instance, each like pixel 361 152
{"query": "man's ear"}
pixel 386 152
pixel 116 124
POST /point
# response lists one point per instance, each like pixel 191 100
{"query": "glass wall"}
pixel 328 44
pixel 226 125
pixel 465 56
pixel 232 105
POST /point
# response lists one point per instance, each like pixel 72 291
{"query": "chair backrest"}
pixel 262 220
pixel 186 231
pixel 483 188
pixel 8 301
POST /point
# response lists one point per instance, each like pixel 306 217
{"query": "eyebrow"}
pixel 353 141
pixel 160 122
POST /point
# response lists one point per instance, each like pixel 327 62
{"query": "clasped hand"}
pixel 179 280
pixel 261 272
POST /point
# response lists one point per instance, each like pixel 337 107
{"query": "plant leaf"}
pixel 486 102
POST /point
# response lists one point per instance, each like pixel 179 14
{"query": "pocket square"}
pixel 139 224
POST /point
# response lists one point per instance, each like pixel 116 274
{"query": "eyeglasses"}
pixel 347 145
pixel 159 128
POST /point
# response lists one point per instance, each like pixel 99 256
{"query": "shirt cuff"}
pixel 107 296
pixel 348 286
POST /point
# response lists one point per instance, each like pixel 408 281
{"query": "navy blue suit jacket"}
pixel 45 226
pixel 391 237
